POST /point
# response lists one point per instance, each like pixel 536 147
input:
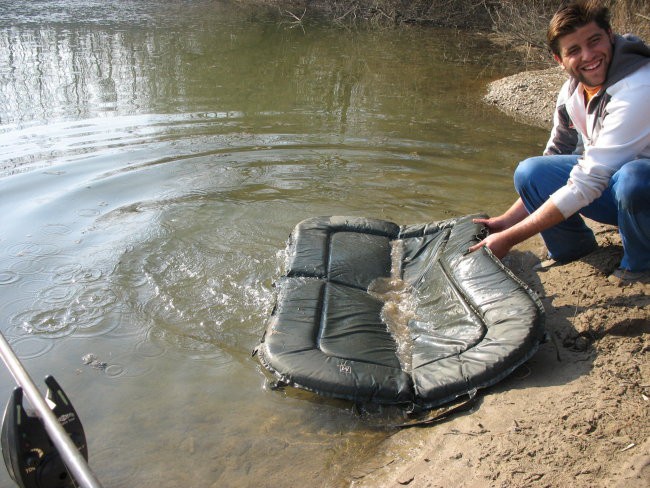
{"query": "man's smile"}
pixel 593 66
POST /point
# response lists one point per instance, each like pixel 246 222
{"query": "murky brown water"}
pixel 154 157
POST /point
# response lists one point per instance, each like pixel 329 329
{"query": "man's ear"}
pixel 558 59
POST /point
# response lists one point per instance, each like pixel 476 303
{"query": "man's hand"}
pixel 515 214
pixel 498 243
pixel 494 224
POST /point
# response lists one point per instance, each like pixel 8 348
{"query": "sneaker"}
pixel 547 264
pixel 622 277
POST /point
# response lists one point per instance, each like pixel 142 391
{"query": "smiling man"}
pixel 597 160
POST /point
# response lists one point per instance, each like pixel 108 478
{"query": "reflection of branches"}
pixel 390 12
pixel 297 22
pixel 352 10
pixel 298 19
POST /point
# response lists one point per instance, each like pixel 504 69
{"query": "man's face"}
pixel 586 53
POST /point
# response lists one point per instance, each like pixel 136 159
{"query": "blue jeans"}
pixel 624 203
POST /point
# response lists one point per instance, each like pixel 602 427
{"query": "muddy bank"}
pixel 575 415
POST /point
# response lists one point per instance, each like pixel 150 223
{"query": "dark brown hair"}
pixel 573 15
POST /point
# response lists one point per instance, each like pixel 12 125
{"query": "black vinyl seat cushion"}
pixel 474 322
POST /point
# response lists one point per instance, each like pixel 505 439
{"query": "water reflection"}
pixel 83 71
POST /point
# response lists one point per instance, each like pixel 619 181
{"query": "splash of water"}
pixel 400 304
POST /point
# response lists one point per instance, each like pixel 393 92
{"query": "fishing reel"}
pixel 32 460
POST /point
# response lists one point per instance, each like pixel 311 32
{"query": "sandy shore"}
pixel 577 413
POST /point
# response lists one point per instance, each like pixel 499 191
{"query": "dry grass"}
pixel 632 16
pixel 456 13
pixel 526 21
pixel 523 20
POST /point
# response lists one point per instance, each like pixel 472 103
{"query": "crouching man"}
pixel 597 160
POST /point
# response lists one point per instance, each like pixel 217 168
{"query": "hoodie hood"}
pixel 630 53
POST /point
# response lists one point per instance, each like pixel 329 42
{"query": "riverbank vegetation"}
pixel 519 22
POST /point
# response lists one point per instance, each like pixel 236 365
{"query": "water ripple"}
pixel 128 368
pixel 7 277
pixel 92 307
pixel 115 370
pixel 193 343
pixel 57 294
pixel 75 273
pixel 31 347
pixel 88 212
pixel 72 309
pixel 55 230
pixel 57 322
pixel 149 349
pixel 32 249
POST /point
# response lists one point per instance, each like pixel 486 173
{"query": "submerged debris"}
pixel 91 360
